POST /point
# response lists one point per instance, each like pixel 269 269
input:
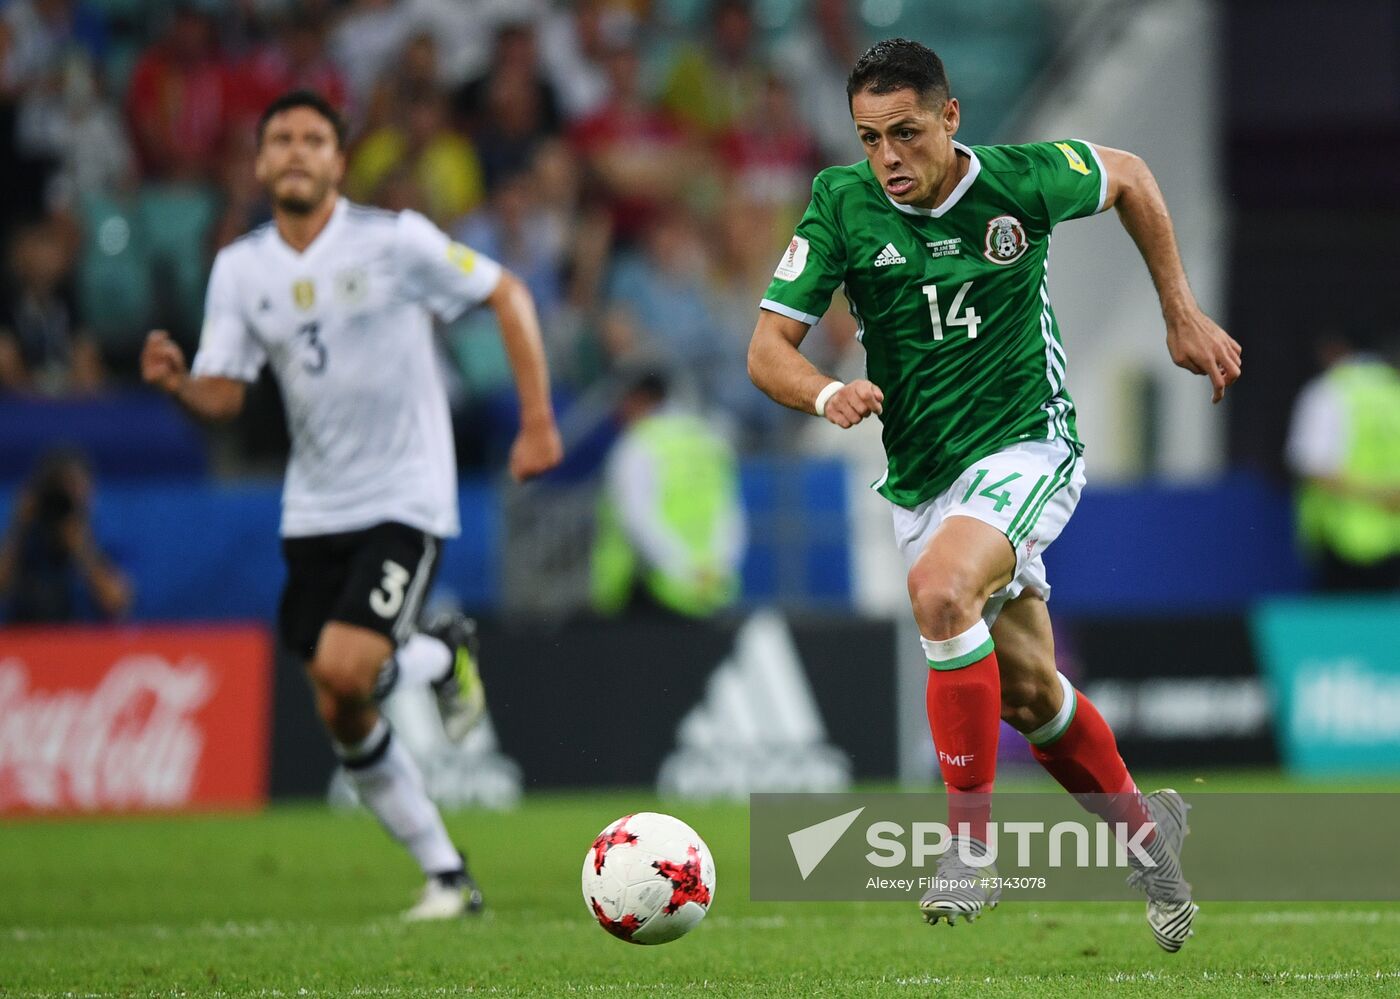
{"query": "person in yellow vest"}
pixel 671 530
pixel 1344 448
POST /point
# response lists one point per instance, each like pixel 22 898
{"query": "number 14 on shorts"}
pixel 995 491
pixel 1028 489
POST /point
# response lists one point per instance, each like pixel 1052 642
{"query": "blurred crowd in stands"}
pixel 639 170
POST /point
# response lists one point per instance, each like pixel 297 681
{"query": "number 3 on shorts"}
pixel 388 598
pixel 1001 499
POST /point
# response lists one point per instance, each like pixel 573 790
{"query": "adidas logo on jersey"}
pixel 889 255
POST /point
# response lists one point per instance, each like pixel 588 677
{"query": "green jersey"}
pixel 952 303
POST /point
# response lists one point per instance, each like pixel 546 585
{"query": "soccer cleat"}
pixel 1170 911
pixel 959 889
pixel 461 697
pixel 1170 811
pixel 1171 922
pixel 446 896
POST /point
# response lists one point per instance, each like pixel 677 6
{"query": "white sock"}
pixel 423 659
pixel 420 661
pixel 390 785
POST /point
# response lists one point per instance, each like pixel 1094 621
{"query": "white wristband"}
pixel 824 396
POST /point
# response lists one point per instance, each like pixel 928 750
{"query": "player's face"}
pixel 908 143
pixel 299 162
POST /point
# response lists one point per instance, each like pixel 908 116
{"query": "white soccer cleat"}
pixel 1170 911
pixel 1171 812
pixel 960 889
pixel 1171 922
pixel 446 897
pixel 461 696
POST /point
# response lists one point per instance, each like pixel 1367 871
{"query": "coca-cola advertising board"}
pixel 133 719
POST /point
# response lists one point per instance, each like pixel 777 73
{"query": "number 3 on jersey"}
pixel 970 318
pixel 315 360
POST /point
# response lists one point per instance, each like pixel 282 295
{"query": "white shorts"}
pixel 1026 492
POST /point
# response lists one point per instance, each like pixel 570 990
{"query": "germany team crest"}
pixel 1006 240
pixel 304 294
pixel 352 285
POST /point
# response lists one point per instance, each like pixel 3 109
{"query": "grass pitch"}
pixel 302 902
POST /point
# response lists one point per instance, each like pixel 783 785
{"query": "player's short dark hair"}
pixel 899 64
pixel 646 381
pixel 303 99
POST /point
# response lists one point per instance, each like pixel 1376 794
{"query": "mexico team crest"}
pixel 1006 240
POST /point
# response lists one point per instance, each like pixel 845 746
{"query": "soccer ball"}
pixel 648 878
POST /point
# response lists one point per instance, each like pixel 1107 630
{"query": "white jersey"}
pixel 347 326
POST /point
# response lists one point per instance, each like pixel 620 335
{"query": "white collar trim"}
pixel 974 167
pixel 337 214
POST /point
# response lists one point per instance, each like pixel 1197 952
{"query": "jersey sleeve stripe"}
pixel 1058 406
pixel 1103 175
pixel 783 310
pixel 235 370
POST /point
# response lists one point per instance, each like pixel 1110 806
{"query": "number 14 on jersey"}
pixel 970 318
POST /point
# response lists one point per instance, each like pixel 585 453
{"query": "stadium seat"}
pixel 775 17
pixel 475 342
pixel 175 222
pixel 117 66
pixel 122 11
pixel 682 13
pixel 992 51
pixel 114 281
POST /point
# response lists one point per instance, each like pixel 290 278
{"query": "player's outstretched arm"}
pixel 537 447
pixel 778 368
pixel 206 398
pixel 1194 340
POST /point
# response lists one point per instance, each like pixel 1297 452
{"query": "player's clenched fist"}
pixel 162 362
pixel 854 402
pixel 536 450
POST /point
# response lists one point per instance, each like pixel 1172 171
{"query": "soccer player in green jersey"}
pixel 943 250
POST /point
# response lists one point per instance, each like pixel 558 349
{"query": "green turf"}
pixel 300 902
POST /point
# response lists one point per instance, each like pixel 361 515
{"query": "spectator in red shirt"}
pixel 297 59
pixel 178 103
pixel 636 157
pixel 771 158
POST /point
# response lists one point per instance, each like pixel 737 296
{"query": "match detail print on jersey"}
pixel 953 302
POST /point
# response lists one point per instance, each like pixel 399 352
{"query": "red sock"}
pixel 1084 758
pixel 964 715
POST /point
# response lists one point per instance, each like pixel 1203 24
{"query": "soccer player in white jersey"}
pixel 340 301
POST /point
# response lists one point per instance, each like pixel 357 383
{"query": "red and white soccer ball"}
pixel 648 878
